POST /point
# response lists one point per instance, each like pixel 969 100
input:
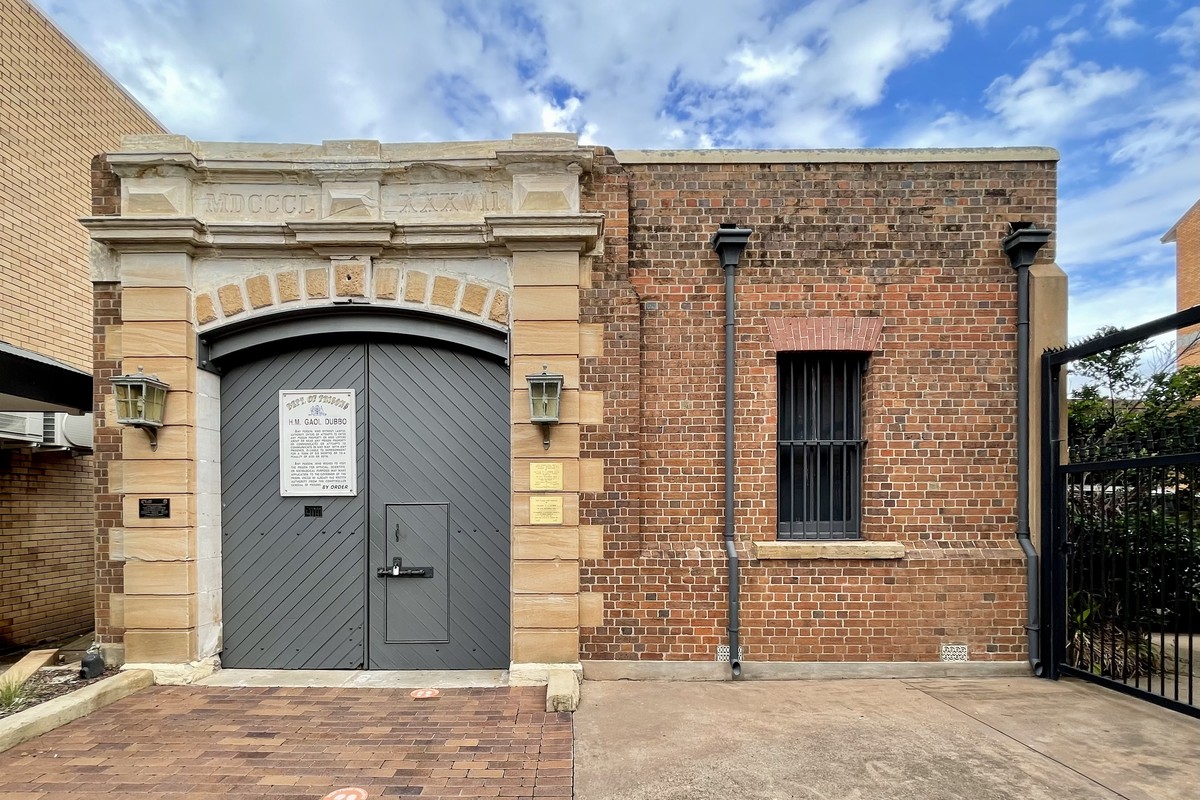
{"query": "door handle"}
pixel 398 570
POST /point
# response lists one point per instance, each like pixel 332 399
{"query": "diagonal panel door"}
pixel 293 584
pixel 439 461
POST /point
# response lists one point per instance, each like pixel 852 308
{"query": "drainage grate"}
pixel 954 652
pixel 723 652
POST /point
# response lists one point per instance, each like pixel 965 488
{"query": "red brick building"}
pixel 874 417
pixel 1185 235
pixel 895 258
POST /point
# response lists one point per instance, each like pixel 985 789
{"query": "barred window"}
pixel 820 444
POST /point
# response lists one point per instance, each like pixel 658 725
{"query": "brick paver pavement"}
pixel 205 742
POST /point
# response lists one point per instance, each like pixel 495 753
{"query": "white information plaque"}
pixel 317 443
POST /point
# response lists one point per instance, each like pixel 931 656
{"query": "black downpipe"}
pixel 1022 246
pixel 729 241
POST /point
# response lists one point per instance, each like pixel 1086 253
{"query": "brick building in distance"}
pixel 57 112
pixel 363 463
pixel 1185 234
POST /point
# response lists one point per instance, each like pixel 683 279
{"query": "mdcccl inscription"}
pixel 288 204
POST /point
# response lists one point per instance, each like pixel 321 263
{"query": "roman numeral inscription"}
pixel 400 202
pixel 453 202
pixel 245 202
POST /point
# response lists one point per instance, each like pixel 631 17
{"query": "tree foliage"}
pixel 1127 406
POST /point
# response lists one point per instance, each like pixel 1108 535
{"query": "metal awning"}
pixel 33 382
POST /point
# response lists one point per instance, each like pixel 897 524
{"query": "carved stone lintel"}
pixel 147 234
pixel 579 233
pixel 367 238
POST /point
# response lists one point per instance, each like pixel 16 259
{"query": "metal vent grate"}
pixel 954 652
pixel 723 652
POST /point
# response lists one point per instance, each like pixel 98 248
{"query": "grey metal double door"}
pixel 333 582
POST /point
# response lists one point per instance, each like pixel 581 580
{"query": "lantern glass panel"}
pixel 155 399
pixel 128 401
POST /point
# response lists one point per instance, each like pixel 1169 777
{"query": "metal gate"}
pixel 1121 526
pixel 413 571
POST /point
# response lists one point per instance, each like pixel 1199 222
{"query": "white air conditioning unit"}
pixel 20 428
pixel 66 430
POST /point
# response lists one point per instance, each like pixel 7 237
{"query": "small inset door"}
pixel 414 599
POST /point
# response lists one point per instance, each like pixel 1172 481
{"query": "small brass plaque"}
pixel 546 477
pixel 545 510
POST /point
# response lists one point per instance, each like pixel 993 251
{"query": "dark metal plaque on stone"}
pixel 154 508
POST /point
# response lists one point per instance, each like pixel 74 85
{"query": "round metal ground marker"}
pixel 423 694
pixel 349 793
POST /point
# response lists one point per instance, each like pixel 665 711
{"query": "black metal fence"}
pixel 1121 533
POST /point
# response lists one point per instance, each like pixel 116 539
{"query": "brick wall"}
pixel 915 244
pixel 57 111
pixel 107 454
pixel 1187 281
pixel 45 546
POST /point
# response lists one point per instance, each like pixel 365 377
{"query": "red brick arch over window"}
pixel 824 333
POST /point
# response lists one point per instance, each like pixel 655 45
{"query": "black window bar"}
pixel 820 445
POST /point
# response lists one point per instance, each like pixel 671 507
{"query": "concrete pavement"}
pixel 932 739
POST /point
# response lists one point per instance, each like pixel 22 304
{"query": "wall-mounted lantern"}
pixel 545 398
pixel 141 400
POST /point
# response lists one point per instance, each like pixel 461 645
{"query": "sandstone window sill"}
pixel 769 551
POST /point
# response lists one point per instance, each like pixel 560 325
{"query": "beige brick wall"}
pixel 58 110
pixel 45 546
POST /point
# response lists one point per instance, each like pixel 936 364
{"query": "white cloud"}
pixel 1121 223
pixel 1054 100
pixel 1056 93
pixel 1120 272
pixel 671 74
pixel 1185 32
pixel 1116 22
pixel 567 117
pixel 184 96
pixel 764 69
pixel 1170 121
pixel 978 11
pixel 1063 20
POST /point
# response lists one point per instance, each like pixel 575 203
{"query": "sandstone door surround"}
pixel 214 234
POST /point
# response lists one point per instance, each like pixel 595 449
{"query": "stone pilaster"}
pixel 546 481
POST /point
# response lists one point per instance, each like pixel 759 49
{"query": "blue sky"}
pixel 1113 84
